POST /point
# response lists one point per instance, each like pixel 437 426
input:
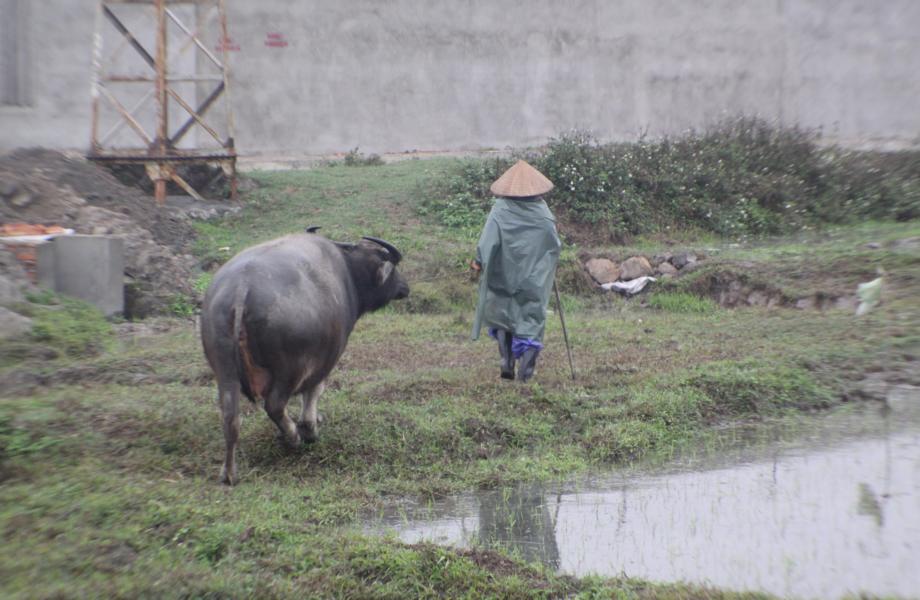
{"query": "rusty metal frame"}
pixel 159 154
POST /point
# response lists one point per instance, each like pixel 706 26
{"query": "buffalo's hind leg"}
pixel 309 421
pixel 228 396
pixel 276 407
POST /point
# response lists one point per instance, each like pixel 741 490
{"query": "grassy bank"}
pixel 109 462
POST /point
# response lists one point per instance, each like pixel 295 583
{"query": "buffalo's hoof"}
pixel 290 444
pixel 228 478
pixel 308 433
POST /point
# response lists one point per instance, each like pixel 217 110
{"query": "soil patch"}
pixel 51 188
pixel 27 379
pixel 98 187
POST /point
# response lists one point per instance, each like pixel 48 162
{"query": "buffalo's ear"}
pixel 384 272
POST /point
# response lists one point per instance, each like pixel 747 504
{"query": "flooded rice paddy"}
pixel 824 509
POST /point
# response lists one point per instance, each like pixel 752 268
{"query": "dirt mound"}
pixel 98 187
pixel 48 188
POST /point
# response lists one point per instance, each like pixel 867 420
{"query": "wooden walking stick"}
pixel 565 333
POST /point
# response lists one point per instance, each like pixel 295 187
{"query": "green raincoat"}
pixel 518 251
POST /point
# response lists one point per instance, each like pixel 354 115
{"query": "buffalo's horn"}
pixel 395 255
pixel 312 229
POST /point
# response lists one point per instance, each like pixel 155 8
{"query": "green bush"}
pixel 354 158
pixel 744 177
pixel 72 326
pixel 463 200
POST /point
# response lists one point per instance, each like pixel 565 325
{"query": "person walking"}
pixel 516 259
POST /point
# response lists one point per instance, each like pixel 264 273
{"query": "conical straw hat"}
pixel 521 181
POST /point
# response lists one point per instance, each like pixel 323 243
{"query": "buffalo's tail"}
pixel 254 380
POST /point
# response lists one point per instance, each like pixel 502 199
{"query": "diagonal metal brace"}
pixel 129 36
pixel 194 115
pixel 202 108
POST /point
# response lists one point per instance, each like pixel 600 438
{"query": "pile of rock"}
pixel 669 265
pixel 606 270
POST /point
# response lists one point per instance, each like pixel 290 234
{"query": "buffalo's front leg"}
pixel 308 425
pixel 276 407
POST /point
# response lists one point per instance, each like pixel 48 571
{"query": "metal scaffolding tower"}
pixel 123 87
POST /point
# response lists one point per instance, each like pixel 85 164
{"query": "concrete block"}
pixel 44 265
pixel 88 267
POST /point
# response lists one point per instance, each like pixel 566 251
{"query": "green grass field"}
pixel 109 467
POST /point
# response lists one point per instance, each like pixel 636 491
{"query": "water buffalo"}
pixel 276 319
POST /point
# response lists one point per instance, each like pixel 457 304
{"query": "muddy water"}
pixel 828 511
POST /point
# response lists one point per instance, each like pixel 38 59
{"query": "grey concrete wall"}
pixel 59 36
pixel 402 75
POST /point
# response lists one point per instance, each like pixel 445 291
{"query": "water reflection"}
pixel 519 520
pixel 833 514
pixel 869 504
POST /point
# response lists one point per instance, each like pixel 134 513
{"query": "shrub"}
pixel 594 185
pixel 462 200
pixel 357 159
pixel 743 177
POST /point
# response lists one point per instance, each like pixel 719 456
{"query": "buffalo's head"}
pixel 389 281
pixel 373 263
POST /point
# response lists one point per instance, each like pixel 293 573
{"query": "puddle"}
pixel 827 514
